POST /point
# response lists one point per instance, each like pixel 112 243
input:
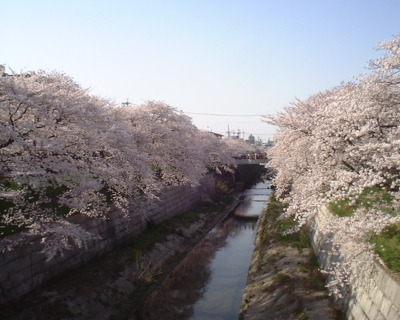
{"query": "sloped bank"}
pixel 25 267
pixel 283 280
pixel 373 293
pixel 277 281
pixel 115 285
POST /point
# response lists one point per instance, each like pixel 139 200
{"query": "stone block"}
pixel 394 313
pixel 17 278
pixel 38 268
pixel 93 223
pixel 357 313
pixel 364 303
pixel 37 258
pixel 78 219
pixel 16 266
pixel 392 289
pixel 385 307
pixel 382 280
pixel 378 298
pixel 10 256
pixel 396 299
pixel 5 284
pixel 38 279
pixel 373 312
pixel 20 289
pixel 373 293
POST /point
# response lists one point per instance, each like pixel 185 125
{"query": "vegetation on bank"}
pixel 277 227
pixel 284 281
pixel 273 231
pixel 387 243
pixel 387 246
pixel 370 198
pixel 159 232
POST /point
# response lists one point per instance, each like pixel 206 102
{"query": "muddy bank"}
pixel 114 286
pixel 284 281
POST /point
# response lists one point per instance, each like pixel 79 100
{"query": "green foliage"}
pixel 342 208
pixel 281 277
pixel 158 232
pixel 9 185
pixel 155 167
pixel 7 229
pixel 275 207
pixel 283 225
pixel 276 227
pixel 273 211
pixel 387 245
pixel 371 197
pixel 52 193
pixel 299 239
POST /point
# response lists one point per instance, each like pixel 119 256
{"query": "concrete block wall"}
pixel 374 292
pixel 173 201
pixel 24 268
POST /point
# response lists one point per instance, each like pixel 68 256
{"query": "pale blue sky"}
pixel 241 57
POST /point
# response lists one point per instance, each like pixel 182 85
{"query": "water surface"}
pixel 209 282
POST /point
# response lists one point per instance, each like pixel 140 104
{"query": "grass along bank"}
pixel 284 280
pixel 387 243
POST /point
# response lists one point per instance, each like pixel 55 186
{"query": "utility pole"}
pixel 127 103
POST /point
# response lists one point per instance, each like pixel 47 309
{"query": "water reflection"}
pixel 208 283
pixel 255 200
pixel 249 207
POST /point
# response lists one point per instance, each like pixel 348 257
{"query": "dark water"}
pixel 255 200
pixel 209 282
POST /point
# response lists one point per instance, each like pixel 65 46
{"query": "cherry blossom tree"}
pixel 64 151
pixel 221 153
pixel 179 152
pixel 337 144
pixel 58 145
pixel 167 137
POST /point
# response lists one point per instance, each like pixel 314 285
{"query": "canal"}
pixel 209 282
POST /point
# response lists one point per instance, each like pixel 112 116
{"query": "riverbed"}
pixel 209 281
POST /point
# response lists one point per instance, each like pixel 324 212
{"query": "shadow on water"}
pixel 208 283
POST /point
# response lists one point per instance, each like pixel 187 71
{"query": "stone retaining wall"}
pixel 25 268
pixel 373 294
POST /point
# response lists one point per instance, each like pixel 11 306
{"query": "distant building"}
pixel 251 139
pixel 269 144
pixel 219 136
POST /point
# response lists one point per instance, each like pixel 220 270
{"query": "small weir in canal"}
pixel 208 283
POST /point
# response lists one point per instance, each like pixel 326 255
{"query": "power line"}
pixel 229 122
pixel 226 115
pixel 263 134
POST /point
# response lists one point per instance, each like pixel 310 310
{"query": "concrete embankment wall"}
pixel 372 294
pixel 25 268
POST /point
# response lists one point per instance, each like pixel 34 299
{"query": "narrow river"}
pixel 209 282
